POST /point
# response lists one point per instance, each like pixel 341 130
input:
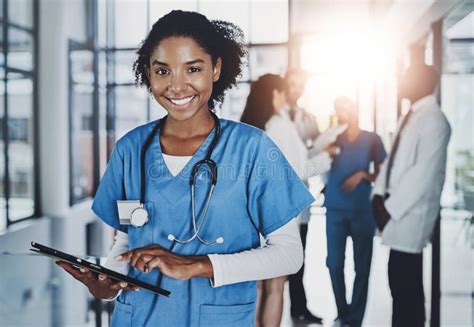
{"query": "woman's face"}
pixel 181 76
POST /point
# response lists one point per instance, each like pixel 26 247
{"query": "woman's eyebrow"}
pixel 192 62
pixel 156 62
pixel 196 61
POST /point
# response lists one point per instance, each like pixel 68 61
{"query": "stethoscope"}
pixel 139 216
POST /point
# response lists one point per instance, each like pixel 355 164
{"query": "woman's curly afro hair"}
pixel 219 39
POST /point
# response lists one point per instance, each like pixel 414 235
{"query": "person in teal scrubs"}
pixel 349 212
pixel 187 63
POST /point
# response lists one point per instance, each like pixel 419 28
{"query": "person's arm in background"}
pixel 318 164
pixel 378 155
pixel 311 129
pixel 381 215
pixel 325 139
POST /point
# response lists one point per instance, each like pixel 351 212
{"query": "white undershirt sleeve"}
pixel 282 255
pixel 120 246
pixel 317 165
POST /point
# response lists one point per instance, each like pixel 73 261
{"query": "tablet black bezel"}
pixel 78 262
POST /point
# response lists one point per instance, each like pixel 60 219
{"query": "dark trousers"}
pixel 405 277
pixel 360 227
pixel 297 293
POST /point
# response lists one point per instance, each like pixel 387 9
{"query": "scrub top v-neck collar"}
pixel 174 188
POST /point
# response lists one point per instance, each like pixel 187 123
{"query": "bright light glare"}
pixel 355 56
pixel 357 64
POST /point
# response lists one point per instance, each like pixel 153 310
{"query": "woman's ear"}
pixel 217 70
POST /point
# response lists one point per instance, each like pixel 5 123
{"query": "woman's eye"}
pixel 194 69
pixel 161 71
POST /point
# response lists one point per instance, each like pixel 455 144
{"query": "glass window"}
pixel 20 49
pixel 131 109
pixel 457 99
pixel 159 8
pixel 103 149
pixel 130 22
pixel 20 12
pixel 265 27
pixel 82 67
pixel 3 202
pixel 267 59
pixel 82 124
pixel 81 142
pixel 234 102
pixel 229 10
pixel 17 93
pixel 123 66
pixel 459 57
pixel 20 149
pixel 102 22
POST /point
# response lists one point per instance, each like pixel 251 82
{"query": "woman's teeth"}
pixel 182 102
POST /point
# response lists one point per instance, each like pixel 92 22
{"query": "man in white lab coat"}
pixel 406 196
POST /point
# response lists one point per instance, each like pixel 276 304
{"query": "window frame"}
pixel 33 75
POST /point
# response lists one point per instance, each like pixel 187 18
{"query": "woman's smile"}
pixel 182 103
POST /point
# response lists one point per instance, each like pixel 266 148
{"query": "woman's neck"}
pixel 200 124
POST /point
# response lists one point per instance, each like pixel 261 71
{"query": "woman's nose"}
pixel 177 83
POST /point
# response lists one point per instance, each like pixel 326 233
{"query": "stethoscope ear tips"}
pixel 171 237
pixel 220 240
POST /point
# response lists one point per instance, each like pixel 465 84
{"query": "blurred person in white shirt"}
pixel 406 196
pixel 267 109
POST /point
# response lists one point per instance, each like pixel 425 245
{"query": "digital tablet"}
pixel 78 262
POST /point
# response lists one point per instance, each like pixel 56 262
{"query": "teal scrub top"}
pixel 355 156
pixel 257 192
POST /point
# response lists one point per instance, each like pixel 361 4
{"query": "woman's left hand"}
pixel 176 266
pixel 351 183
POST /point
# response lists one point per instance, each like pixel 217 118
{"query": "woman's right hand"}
pixel 99 285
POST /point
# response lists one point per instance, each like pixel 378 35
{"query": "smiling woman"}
pixel 199 235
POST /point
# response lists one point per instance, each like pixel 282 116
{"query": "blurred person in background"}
pixel 406 196
pixel 267 109
pixel 349 212
pixel 308 131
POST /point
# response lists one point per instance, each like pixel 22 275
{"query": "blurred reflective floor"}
pixel 457 278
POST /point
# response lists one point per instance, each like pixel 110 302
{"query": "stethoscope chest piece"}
pixel 139 217
pixel 132 212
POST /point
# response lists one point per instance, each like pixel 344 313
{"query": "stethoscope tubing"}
pixel 207 161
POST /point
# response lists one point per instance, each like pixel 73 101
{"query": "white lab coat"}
pixel 416 179
pixel 284 133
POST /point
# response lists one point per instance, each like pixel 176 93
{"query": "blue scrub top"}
pixel 257 192
pixel 355 156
